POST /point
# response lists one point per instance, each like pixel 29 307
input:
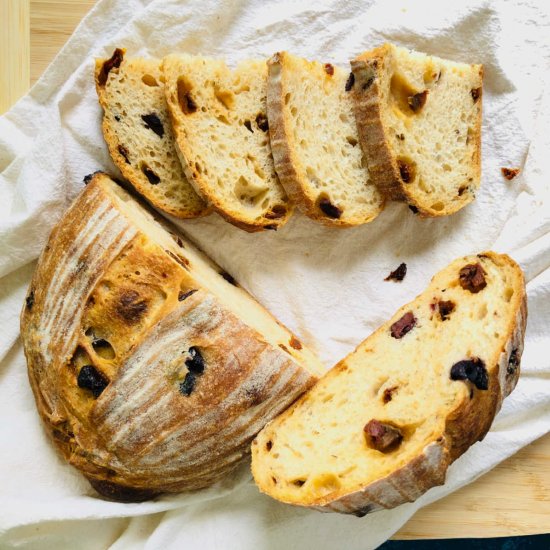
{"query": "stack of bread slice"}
pixel 256 141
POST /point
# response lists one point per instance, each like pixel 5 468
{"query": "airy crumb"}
pixel 510 173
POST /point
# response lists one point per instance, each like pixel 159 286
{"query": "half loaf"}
pixel 383 425
pixel 151 368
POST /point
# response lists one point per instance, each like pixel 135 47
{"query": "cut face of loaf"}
pixel 315 142
pixel 220 122
pixel 151 368
pixel 382 426
pixel 138 133
pixel 419 121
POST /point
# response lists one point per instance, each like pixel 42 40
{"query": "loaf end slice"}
pixel 315 142
pixel 221 128
pixel 419 122
pixel 137 129
pixel 383 425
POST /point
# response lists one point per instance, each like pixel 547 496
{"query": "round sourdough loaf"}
pixel 151 368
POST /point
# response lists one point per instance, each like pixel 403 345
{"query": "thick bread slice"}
pixel 220 123
pixel 382 426
pixel 151 368
pixel 138 133
pixel 315 142
pixel 419 121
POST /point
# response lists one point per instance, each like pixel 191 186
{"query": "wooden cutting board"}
pixel 512 499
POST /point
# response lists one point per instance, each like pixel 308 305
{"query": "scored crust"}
pixel 467 416
pixel 118 89
pixel 229 104
pixel 373 73
pixel 284 134
pixel 118 297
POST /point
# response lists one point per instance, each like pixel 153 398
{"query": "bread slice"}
pixel 138 133
pixel 151 368
pixel 419 121
pixel 220 123
pixel 382 426
pixel 315 142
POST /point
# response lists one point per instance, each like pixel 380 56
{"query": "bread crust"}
pixel 369 70
pixel 129 172
pixel 468 423
pixel 141 436
pixel 198 180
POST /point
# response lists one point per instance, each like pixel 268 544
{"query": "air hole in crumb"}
pixel 298 482
pixel 508 293
pixel 287 98
pixel 438 206
pixel 351 140
pixel 482 312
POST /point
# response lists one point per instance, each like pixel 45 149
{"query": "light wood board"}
pixel 513 499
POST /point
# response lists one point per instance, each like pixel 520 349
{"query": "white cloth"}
pixel 325 284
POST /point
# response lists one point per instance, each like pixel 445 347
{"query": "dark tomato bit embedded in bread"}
pixel 398 274
pixel 417 101
pixel 413 209
pixel 183 295
pixel 248 125
pixel 329 69
pixel 229 278
pixel 124 152
pixel 472 278
pixel 362 512
pixel 188 384
pixel 195 361
pixel 405 171
pixel 276 212
pixel 150 175
pixel 130 306
pixel 513 362
pixel 473 370
pixel 331 210
pixel 350 82
pixel 403 325
pixel 387 396
pixel 112 63
pixel 261 121
pixel 152 122
pixel 89 378
pixel 295 343
pixel 445 309
pixel 475 93
pixel 382 436
pixel 29 300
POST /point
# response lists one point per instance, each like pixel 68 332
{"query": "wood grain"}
pixel 14 51
pixel 512 499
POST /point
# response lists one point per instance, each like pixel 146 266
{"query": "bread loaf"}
pixel 383 425
pixel 221 128
pixel 151 368
pixel 138 133
pixel 315 143
pixel 419 122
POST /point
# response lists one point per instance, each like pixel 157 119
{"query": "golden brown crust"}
pixel 106 295
pixel 130 172
pixel 371 70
